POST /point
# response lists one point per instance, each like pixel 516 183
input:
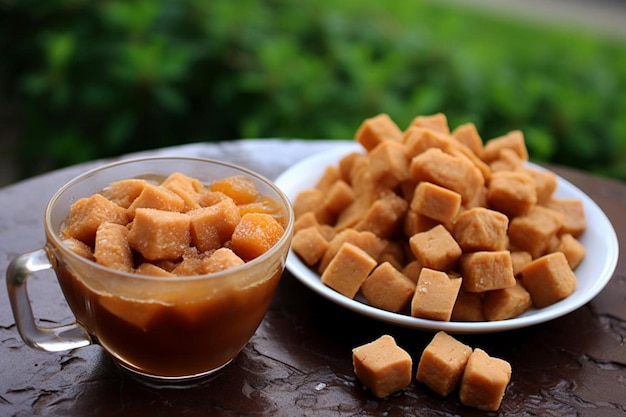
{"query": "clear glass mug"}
pixel 168 331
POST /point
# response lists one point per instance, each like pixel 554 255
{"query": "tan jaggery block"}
pixel 506 303
pixel 520 259
pixel 484 381
pixel 533 231
pixel 572 248
pixel 574 220
pixel 213 226
pixel 412 270
pixel 545 183
pixel 468 135
pixel 220 260
pixel 309 244
pixel 157 197
pixel 385 216
pixel 511 192
pixel 187 188
pixel 367 241
pixel 153 270
pixel 481 228
pixel 548 279
pixel 437 122
pixel 377 129
pixel 435 248
pixel 513 140
pixel 389 164
pixel 455 173
pixel 312 200
pixel 348 270
pixel 79 248
pixel 339 196
pixel 436 202
pixel 346 163
pixel 468 306
pixel 191 263
pixel 124 192
pixel 86 214
pixel 111 248
pixel 416 223
pixel 487 270
pixel 442 363
pixel 329 177
pixel 387 288
pixel 435 295
pixel 240 188
pixel 394 253
pixel 158 234
pixel 508 160
pixel 382 366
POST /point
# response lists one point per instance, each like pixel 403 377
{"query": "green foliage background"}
pixel 92 79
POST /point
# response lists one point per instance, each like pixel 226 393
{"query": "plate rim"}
pixel 311 279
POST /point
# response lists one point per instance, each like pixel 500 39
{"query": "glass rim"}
pixel 53 235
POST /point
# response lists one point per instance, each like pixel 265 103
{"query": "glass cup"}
pixel 165 330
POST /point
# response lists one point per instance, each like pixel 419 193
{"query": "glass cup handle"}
pixel 51 339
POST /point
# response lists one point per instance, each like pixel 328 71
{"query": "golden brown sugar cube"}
pixel 348 270
pixel 191 264
pixel 533 231
pixel 208 198
pixel 240 188
pixel 86 214
pixel 382 366
pixel 549 279
pixel 412 270
pixel 513 140
pixel 506 303
pixel 574 220
pixel 309 244
pixel 455 173
pixel 346 163
pixel 339 196
pixel 511 192
pixel 545 183
pixel 437 122
pixel 520 259
pixel 468 135
pixel 468 306
pixel 572 248
pixel 385 216
pixel 148 268
pixel 442 363
pixel 509 160
pixel 111 248
pixel 435 248
pixel 187 188
pixel 484 381
pixel 389 164
pixel 79 248
pixel 436 202
pixel 312 200
pixel 304 220
pixel 157 197
pixel 417 223
pixel 418 140
pixel 487 270
pixel 255 234
pixel 435 295
pixel 221 260
pixel 377 129
pixel 124 192
pixel 367 241
pixel 387 288
pixel 212 226
pixel 480 228
pixel 393 252
pixel 329 177
pixel 158 234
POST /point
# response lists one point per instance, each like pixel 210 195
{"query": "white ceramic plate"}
pixel 593 273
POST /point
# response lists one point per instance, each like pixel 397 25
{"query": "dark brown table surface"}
pixel 299 361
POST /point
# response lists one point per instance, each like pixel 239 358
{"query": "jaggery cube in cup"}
pixel 171 290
